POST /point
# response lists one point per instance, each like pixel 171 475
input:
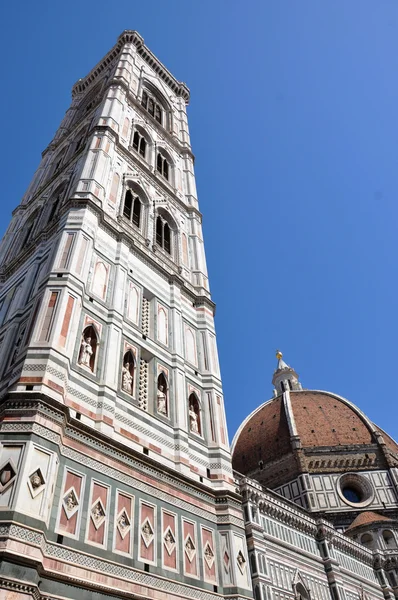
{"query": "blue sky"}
pixel 293 121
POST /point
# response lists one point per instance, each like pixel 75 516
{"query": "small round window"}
pixel 355 490
pixel 351 494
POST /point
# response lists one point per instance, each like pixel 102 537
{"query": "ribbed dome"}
pixel 311 420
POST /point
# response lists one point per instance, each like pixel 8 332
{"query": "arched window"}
pixel 301 592
pixel 54 208
pixel 190 346
pixel 367 540
pixel 79 143
pixel 389 539
pixel 126 127
pixel 163 234
pixel 151 105
pixel 162 166
pixel 88 348
pixel 128 373
pixel 132 208
pixel 162 326
pixel 114 187
pixel 100 279
pixel 185 258
pixel 162 395
pixel 194 414
pixel 55 202
pixel 28 229
pixel 139 143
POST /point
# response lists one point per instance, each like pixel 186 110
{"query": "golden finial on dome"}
pixel 279 354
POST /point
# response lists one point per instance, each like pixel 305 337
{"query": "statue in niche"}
pixel 127 378
pixel 193 419
pixel 86 352
pixel 162 400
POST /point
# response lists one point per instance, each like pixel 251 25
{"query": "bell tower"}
pixel 115 471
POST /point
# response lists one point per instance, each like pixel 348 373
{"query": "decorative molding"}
pixel 101 566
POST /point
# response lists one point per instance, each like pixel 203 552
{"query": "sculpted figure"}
pixel 36 481
pixel 169 538
pixel 70 502
pixel 161 397
pixel 86 351
pixel 123 521
pixel 127 378
pixel 193 420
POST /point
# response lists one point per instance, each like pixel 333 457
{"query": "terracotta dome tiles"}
pixel 265 437
pixel 367 518
pixel 323 420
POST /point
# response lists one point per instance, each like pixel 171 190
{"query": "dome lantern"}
pixel 285 378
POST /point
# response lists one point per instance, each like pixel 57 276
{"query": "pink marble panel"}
pixel 97 535
pixel 190 566
pixel 122 544
pixel 147 551
pixel 210 571
pixel 169 559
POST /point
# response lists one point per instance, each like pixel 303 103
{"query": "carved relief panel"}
pixel 169 541
pixel 70 509
pixel 190 550
pixel 147 533
pixel 36 493
pixel 124 520
pixel 10 463
pixel 98 514
pixel 208 555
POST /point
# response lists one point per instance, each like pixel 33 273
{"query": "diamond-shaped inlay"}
pixel 190 549
pixel 147 532
pixel 169 541
pixel 7 475
pixel 209 555
pixel 241 562
pixel 98 513
pixel 36 482
pixel 123 523
pixel 70 502
pixel 226 561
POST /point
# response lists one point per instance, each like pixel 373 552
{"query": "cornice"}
pixel 104 569
pixel 20 587
pixel 276 507
pixel 281 510
pixel 31 403
pixel 117 233
pixel 133 37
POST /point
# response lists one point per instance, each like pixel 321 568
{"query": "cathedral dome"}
pixel 307 431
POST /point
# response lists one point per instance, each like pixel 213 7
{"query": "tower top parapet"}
pixel 133 37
